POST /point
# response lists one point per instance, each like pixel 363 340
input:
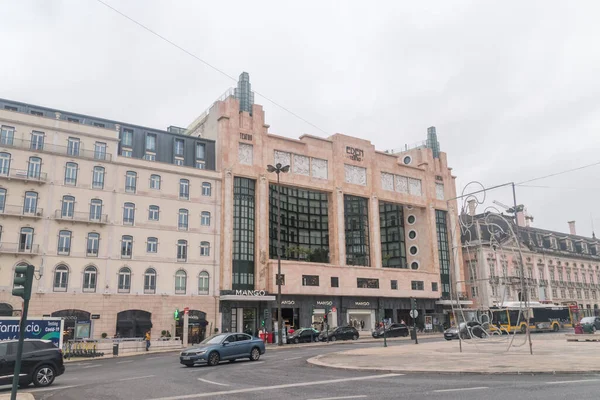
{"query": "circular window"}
pixel 413 250
pixel 407 160
pixel 414 265
pixel 411 219
pixel 412 234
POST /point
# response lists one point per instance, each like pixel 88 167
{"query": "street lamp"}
pixel 278 169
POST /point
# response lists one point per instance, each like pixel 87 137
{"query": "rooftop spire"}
pixel 244 93
pixel 432 142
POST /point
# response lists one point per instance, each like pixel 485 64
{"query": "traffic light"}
pixel 413 303
pixel 325 318
pixel 262 323
pixel 22 281
pixel 176 314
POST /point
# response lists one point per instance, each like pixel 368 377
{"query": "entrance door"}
pixel 249 322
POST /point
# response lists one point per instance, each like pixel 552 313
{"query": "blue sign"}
pixel 45 329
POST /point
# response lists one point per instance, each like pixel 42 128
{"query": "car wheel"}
pixel 213 359
pixel 296 340
pixel 354 337
pixel 254 354
pixel 523 328
pixel 555 328
pixel 43 376
pixel 333 339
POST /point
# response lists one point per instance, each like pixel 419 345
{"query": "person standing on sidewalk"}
pixel 147 338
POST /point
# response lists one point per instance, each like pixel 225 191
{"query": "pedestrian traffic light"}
pixel 22 281
pixel 325 318
pixel 262 323
pixel 176 314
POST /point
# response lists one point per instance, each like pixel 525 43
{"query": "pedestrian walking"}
pixel 362 324
pixel 147 338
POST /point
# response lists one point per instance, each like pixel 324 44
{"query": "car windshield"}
pixel 214 339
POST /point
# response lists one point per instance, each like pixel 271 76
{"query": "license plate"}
pixel 186 358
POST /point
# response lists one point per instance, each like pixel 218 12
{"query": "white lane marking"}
pixel 135 377
pixel 91 366
pixel 214 383
pixel 339 398
pixel 153 358
pixel 77 364
pixel 289 385
pixel 578 381
pixel 460 389
pixel 50 388
pixel 124 362
pixel 292 358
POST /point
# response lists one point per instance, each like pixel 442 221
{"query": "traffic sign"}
pixel 414 313
pixel 333 309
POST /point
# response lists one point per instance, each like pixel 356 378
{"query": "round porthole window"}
pixel 411 219
pixel 413 250
pixel 414 265
pixel 407 160
pixel 412 234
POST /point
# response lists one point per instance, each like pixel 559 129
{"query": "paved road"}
pixel 285 373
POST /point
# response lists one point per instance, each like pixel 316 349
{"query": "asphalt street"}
pixel 284 373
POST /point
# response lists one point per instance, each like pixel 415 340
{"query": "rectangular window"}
pixel 367 283
pixel 127 138
pixel 473 291
pixel 417 285
pixel 7 135
pixel 335 281
pixel 310 280
pixel 443 251
pixel 130 182
pixel 179 161
pixel 126 153
pixel 64 242
pixel 184 189
pixel 99 124
pixel 73 145
pixel 391 226
pixel 151 143
pixel 152 245
pixel 11 108
pixel 37 140
pixel 71 174
pixel 200 156
pixel 243 233
pixel 98 178
pixel 36 113
pixel 100 151
pixel 394 284
pixel 356 218
pixel 179 148
pixel 126 246
pixel 150 157
pixel 93 244
pixel 155 182
pixel 71 119
pixel 434 287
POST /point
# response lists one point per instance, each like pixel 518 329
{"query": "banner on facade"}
pixel 44 329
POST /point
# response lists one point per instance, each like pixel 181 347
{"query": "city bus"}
pixel 543 317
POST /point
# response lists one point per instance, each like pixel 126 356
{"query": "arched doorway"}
pixel 77 323
pixel 133 323
pixel 6 310
pixel 196 326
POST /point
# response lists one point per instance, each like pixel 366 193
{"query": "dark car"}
pixel 340 333
pixel 225 346
pixel 467 330
pixel 394 330
pixel 304 335
pixel 42 361
pixel 593 322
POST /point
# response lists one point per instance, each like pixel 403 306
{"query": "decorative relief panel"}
pixel 319 168
pixel 387 181
pixel 245 154
pixel 355 175
pixel 401 183
pixel 439 191
pixel 282 157
pixel 414 186
pixel 301 165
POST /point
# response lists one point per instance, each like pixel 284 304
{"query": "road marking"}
pixel 50 388
pixel 214 383
pixel 135 377
pixel 460 389
pixel 124 362
pixel 276 387
pixel 578 381
pixel 339 398
pixel 91 366
pixel 153 358
pixel 77 364
pixel 293 358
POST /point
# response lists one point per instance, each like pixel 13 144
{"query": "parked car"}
pixel 41 363
pixel 593 322
pixel 394 330
pixel 304 335
pixel 340 333
pixel 225 346
pixel 467 330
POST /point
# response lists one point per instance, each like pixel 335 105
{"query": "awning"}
pixel 234 297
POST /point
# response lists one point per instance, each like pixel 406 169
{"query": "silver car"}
pixel 225 346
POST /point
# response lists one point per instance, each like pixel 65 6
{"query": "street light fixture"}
pixel 278 168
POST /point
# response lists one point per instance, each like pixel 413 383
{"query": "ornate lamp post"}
pixel 278 168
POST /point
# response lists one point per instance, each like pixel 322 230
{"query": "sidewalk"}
pixel 361 340
pixel 551 354
pixel 105 356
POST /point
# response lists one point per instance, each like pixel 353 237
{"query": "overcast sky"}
pixel 513 89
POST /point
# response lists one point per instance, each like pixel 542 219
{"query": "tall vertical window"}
pixel 34 169
pixel 73 145
pixel 3 200
pixel 124 285
pixel 126 246
pixel 179 151
pixel 71 174
pixel 203 282
pixel 4 164
pixel 180 282
pixel 443 250
pixel 30 203
pixel 182 219
pixel 67 209
pixel 7 134
pixel 155 182
pixel 304 224
pixel 184 189
pixel 64 242
pixel 100 151
pixel 150 281
pixel 128 213
pixel 391 223
pixel 98 178
pixel 205 218
pixel 182 250
pixel 26 240
pixel 153 213
pixel 37 141
pixel 200 156
pixel 130 181
pixel 127 143
pixel 93 244
pixel 206 189
pixel 243 233
pixel 61 278
pixel 205 249
pixel 356 217
pixel 150 153
pixel 96 210
pixel 89 279
pixel 151 245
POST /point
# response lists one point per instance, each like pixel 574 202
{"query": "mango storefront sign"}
pixel 249 295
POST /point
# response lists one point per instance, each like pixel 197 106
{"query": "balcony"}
pixel 84 217
pixel 21 212
pixel 19 248
pixel 23 175
pixel 55 149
